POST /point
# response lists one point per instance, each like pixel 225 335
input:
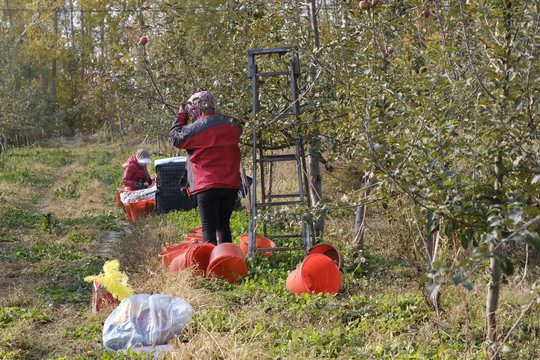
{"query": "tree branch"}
pixel 470 57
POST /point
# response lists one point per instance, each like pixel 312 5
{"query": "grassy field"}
pixel 59 223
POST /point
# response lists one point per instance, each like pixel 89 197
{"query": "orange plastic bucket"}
pixel 141 208
pixel 172 251
pixel 199 256
pixel 330 251
pixel 127 208
pixel 196 230
pixel 118 199
pixel 317 274
pixel 196 255
pixel 197 238
pixel 178 262
pixel 197 235
pixel 227 262
pixel 260 243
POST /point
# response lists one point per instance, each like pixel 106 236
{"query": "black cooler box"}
pixel 169 195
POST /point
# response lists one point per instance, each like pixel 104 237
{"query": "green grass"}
pixel 84 332
pixel 103 166
pixel 14 218
pixel 12 315
pixel 379 313
pixel 19 167
pixel 67 192
pixel 39 252
pixel 101 221
pixel 78 237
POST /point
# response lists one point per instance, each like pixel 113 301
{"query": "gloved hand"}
pixel 140 185
pixel 182 116
pixel 182 109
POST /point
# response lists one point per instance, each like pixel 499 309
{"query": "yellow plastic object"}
pixel 113 280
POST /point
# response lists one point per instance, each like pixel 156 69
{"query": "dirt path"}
pixel 111 241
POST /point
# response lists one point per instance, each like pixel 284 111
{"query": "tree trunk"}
pixel 359 227
pixel 71 23
pixel 82 24
pixel 492 299
pixel 3 144
pixel 359 223
pixel 53 67
pixel 119 111
pixel 9 14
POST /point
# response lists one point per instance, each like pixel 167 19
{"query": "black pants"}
pixel 215 209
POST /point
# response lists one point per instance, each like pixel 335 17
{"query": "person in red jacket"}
pixel 136 175
pixel 213 162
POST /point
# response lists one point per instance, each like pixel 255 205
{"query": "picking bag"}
pixel 145 320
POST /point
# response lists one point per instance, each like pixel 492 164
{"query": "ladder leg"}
pixel 252 240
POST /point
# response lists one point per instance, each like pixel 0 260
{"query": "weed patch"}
pixel 39 252
pixel 12 315
pixel 20 166
pixel 54 157
pixel 317 342
pixel 84 332
pixel 67 192
pixel 77 237
pixel 33 177
pixel 13 218
pixel 103 168
pixel 102 222
pixel 49 224
pixel 102 175
pixel 65 281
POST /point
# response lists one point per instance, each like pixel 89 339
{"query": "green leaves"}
pixel 432 223
pixel 507 266
pixel 529 238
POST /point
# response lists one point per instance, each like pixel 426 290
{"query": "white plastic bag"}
pixel 145 320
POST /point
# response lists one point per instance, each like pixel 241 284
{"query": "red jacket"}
pixel 135 173
pixel 213 154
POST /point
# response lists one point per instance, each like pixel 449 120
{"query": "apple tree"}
pixel 442 107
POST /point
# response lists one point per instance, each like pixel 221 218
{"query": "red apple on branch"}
pixel 390 50
pixel 364 5
pixel 425 13
pixel 143 40
pixel 374 4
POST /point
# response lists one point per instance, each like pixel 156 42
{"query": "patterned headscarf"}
pixel 199 104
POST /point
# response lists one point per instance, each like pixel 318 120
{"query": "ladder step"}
pixel 273 73
pixel 279 249
pixel 266 204
pixel 281 196
pixel 285 236
pixel 280 50
pixel 274 158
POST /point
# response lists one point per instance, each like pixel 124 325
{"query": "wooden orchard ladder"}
pixel 266 154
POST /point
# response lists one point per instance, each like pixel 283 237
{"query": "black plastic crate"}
pixel 169 201
pixel 168 176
